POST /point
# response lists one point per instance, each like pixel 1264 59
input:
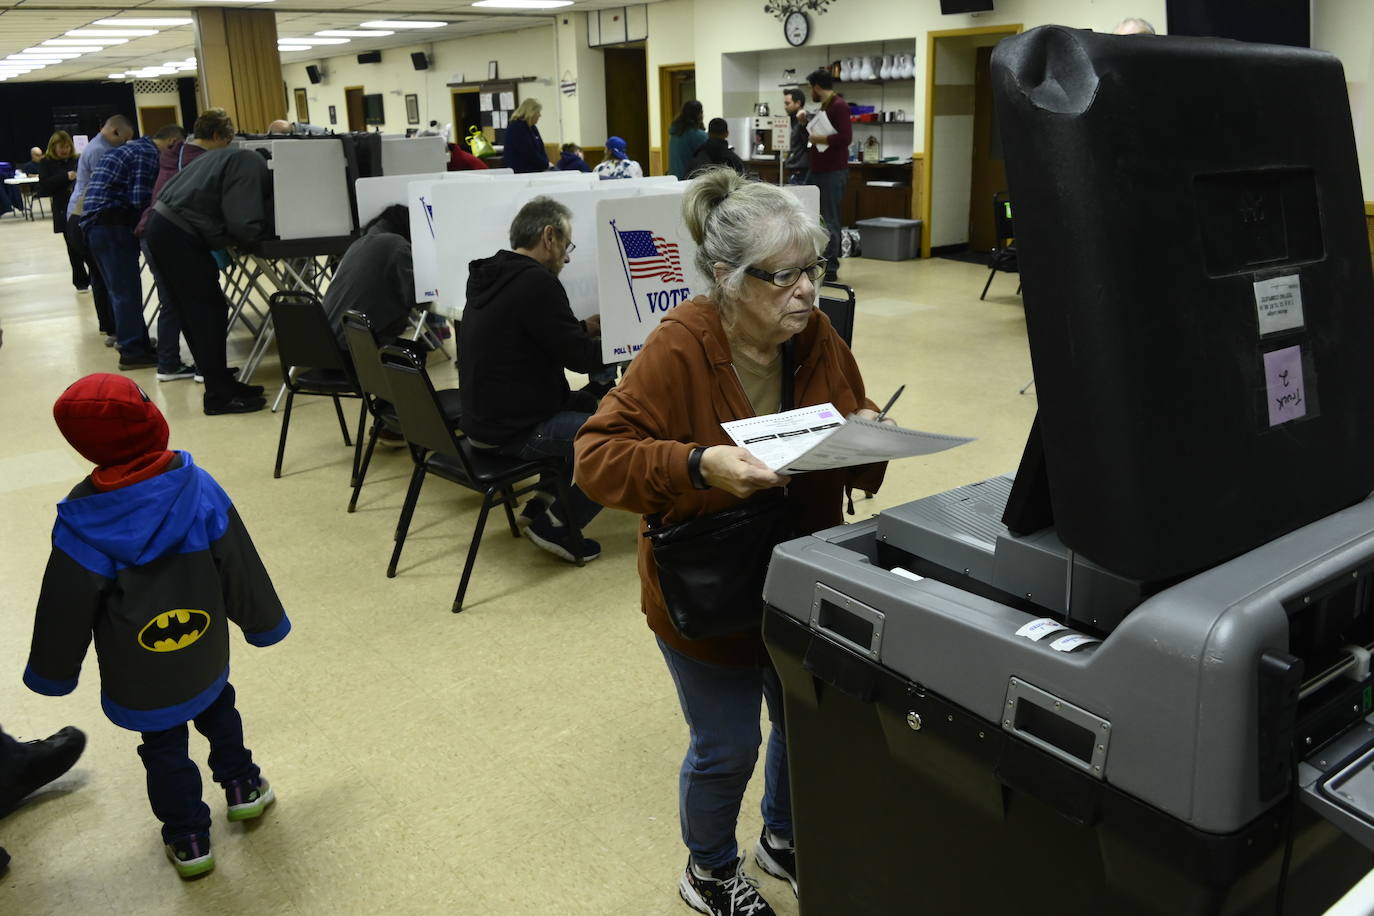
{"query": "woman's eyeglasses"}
pixel 788 276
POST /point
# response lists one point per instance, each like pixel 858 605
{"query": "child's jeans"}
pixel 174 780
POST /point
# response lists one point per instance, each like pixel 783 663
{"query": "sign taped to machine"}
pixel 1284 385
pixel 1072 641
pixel 1038 629
pixel 1278 304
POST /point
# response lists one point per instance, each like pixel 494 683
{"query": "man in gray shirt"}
pixel 794 103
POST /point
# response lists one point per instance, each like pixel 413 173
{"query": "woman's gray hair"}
pixel 739 224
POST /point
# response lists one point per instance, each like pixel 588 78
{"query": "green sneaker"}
pixel 191 855
pixel 246 800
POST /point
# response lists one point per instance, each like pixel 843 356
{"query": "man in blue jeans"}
pixel 517 336
pixel 119 188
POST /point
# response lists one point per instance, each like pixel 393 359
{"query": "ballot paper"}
pixel 820 130
pixel 818 438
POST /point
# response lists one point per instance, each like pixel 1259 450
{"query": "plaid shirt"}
pixel 123 179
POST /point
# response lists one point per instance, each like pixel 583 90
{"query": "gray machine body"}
pixel 1169 692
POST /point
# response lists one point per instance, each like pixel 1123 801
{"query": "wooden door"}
pixel 353 102
pixel 677 83
pixel 627 102
pixel 155 117
pixel 989 173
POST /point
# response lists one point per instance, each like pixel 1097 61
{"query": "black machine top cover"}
pixel 1198 293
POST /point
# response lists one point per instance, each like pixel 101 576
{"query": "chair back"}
pixel 304 337
pixel 837 301
pixel 1001 217
pixel 417 405
pixel 363 347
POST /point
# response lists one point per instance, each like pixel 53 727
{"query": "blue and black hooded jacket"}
pixel 154 571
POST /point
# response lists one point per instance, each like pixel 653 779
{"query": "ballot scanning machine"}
pixel 1135 677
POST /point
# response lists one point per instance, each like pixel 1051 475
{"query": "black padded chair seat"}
pixel 488 465
pixel 326 380
pixel 449 402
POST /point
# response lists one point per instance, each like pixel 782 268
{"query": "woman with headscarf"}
pixel 524 148
pixel 617 163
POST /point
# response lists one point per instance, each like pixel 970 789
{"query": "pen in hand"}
pixel 890 401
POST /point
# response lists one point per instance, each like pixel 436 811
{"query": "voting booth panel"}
pixel 1197 286
pixel 376 194
pixel 646 266
pixel 413 156
pixel 310 194
pixel 462 237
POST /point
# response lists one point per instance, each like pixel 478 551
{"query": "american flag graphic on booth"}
pixel 649 256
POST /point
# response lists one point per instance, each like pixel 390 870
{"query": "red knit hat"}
pixel 110 421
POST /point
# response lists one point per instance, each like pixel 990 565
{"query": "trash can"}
pixel 889 239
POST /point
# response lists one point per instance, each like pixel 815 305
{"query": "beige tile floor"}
pixel 519 758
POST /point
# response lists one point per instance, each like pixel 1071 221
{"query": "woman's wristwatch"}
pixel 694 469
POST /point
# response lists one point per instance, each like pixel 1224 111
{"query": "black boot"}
pixel 34 764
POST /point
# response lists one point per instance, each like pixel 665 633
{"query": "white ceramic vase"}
pixel 885 71
pixel 910 65
pixel 866 73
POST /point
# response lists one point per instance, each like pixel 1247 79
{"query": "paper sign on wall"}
pixel 1284 385
pixel 1278 303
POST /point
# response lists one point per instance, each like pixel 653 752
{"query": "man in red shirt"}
pixel 830 159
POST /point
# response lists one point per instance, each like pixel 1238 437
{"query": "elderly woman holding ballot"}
pixel 656 447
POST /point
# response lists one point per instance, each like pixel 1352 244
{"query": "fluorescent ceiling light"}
pixel 401 24
pixel 66 53
pixel 290 48
pixel 123 22
pixel 312 41
pixel 523 4
pixel 115 76
pixel 68 49
pixel 61 42
pixel 35 60
pixel 110 33
pixel 351 33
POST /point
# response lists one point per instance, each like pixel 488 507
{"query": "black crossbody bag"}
pixel 711 568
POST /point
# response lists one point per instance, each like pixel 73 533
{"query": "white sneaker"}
pixel 726 891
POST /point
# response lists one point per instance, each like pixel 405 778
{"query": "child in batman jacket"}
pixel 151 560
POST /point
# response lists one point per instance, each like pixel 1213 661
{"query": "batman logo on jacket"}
pixel 173 630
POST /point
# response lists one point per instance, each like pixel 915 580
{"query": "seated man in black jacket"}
pixel 716 150
pixel 517 336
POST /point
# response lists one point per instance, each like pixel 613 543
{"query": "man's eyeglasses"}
pixel 569 247
pixel 789 276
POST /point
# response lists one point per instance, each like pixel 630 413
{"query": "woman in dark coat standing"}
pixel 524 148
pixel 56 178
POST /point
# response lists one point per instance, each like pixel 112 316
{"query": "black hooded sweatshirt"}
pixel 517 336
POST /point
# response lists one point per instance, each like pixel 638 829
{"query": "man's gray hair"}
pixel 739 224
pixel 529 223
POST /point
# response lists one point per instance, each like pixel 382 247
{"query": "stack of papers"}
pixel 817 439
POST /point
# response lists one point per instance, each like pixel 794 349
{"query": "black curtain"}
pixel 186 92
pixel 34 110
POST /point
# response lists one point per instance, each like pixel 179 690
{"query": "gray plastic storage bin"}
pixel 890 239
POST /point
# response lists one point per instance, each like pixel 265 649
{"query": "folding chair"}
pixel 1003 256
pixel 437 449
pixel 312 364
pixel 363 346
pixel 837 301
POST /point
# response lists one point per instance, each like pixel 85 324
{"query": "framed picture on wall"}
pixel 333 115
pixel 412 108
pixel 491 69
pixel 302 107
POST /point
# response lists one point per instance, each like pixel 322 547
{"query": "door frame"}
pixel 348 117
pixel 143 131
pixel 929 165
pixel 665 104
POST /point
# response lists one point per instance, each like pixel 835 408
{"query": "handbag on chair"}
pixel 478 143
